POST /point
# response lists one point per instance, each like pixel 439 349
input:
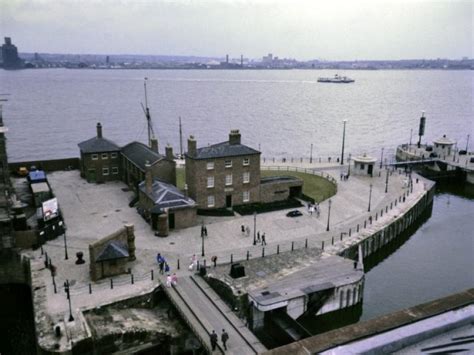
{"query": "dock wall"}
pixel 47 165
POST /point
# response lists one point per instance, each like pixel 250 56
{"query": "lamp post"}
pixel 349 167
pixel 68 295
pixel 381 158
pixel 202 239
pixel 311 154
pixel 255 228
pixel 329 213
pixel 411 133
pixel 63 227
pixel 386 181
pixel 343 140
pixel 370 197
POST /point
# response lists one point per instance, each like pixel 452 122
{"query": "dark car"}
pixel 294 213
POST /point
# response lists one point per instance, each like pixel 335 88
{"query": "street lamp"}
pixel 349 167
pixel 255 228
pixel 381 159
pixel 202 239
pixel 60 223
pixel 370 197
pixel 386 181
pixel 343 141
pixel 329 213
pixel 68 295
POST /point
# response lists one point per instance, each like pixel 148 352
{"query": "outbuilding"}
pixel 364 165
pixel 443 146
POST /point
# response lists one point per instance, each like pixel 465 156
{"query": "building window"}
pixel 228 163
pixel 105 171
pixel 113 155
pixel 210 181
pixel 115 170
pixel 95 156
pixel 246 177
pixel 210 165
pixel 246 161
pixel 210 201
pixel 104 156
pixel 246 196
pixel 362 166
pixel 228 179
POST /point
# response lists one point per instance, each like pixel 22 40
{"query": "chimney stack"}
pixel 234 137
pixel 154 144
pixel 99 130
pixel 191 146
pixel 169 152
pixel 148 178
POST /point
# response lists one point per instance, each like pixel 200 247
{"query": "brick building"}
pixel 100 159
pixel 223 174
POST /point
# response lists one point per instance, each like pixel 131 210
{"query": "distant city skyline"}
pixel 304 30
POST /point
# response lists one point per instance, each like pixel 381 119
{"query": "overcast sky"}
pixel 301 29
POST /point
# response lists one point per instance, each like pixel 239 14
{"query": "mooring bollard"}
pixel 90 289
pixel 292 246
pixel 263 252
pixel 248 255
pixel 152 275
pixel 306 243
pixel 131 279
pixel 111 283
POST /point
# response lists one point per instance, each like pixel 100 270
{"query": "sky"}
pixel 300 29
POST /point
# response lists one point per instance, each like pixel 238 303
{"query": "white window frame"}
pixel 211 201
pixel 210 182
pixel 246 174
pixel 95 156
pixel 228 180
pixel 246 196
pixel 228 163
pixel 115 170
pixel 210 165
pixel 246 162
pixel 104 156
pixel 105 171
pixel 113 155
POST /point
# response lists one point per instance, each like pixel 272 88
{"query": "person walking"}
pixel 214 260
pixel 247 231
pixel 242 228
pixel 213 340
pixel 174 279
pixel 264 242
pixel 224 338
pixel 161 262
pixel 168 281
pixel 258 237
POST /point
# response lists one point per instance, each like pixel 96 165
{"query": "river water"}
pixel 283 112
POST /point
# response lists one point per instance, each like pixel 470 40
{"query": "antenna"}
pixel 146 111
pixel 180 139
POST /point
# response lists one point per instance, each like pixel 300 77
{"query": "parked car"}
pixel 294 213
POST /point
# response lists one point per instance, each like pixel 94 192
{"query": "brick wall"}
pixel 98 162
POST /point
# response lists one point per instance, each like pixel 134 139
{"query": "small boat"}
pixel 336 79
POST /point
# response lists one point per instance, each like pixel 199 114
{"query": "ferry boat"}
pixel 336 79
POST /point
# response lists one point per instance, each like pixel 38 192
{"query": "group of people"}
pixel 261 239
pixel 224 338
pixel 162 264
pixel 313 208
pixel 344 177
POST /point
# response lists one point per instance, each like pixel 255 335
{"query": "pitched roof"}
pixel 113 250
pixel 165 195
pixel 98 145
pixel 140 154
pixel 222 150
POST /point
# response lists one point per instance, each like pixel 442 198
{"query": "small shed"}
pixel 443 146
pixel 112 259
pixel 364 165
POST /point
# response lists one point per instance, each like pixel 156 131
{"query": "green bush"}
pixel 267 207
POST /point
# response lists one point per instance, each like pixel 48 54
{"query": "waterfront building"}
pixel 364 165
pixel 443 146
pixel 100 159
pixel 11 60
pixel 223 174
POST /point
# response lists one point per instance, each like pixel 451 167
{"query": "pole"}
pixel 180 139
pixel 370 197
pixel 386 181
pixel 381 158
pixel 254 228
pixel 411 133
pixel 202 239
pixel 311 154
pixel 329 214
pixel 68 295
pixel 349 167
pixel 65 247
pixel 343 141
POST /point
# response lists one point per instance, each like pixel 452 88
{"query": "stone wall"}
pixel 47 165
pixel 278 190
pixel 125 236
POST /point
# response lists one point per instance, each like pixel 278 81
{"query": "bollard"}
pixel 350 232
pixel 391 205
pixel 370 219
pixel 204 264
pixel 322 245
pixel 131 279
pixel 231 258
pixel 386 209
pixel 357 228
pixel 332 241
pixel 342 234
pixel 54 285
pixel 198 265
pixel 263 252
pixel 42 252
pixel 90 289
pixel 381 212
pixel 152 275
pixel 178 265
pixel 292 246
pixel 365 224
pixel 278 249
pixel 376 215
pixel 111 284
pixel 248 255
pixel 306 243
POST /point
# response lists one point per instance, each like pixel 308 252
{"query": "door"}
pixel 370 168
pixel 91 175
pixel 228 201
pixel 171 220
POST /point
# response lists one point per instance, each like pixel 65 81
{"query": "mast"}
pixel 146 111
pixel 180 139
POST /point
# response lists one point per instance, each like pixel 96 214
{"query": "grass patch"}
pixel 314 186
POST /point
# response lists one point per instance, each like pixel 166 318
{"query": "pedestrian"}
pixel 264 242
pixel 174 279
pixel 213 340
pixel 342 175
pixel 193 264
pixel 168 281
pixel 214 260
pixel 205 231
pixel 258 237
pixel 224 338
pixel 161 263
pixel 311 209
pixel 242 228
pixel 247 231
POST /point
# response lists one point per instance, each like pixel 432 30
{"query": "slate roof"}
pixel 98 145
pixel 139 153
pixel 113 250
pixel 222 150
pixel 165 195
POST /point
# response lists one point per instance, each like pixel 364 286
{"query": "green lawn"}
pixel 314 186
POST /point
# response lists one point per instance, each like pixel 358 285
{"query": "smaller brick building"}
pixel 100 159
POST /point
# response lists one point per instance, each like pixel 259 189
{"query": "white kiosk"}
pixel 443 146
pixel 364 165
